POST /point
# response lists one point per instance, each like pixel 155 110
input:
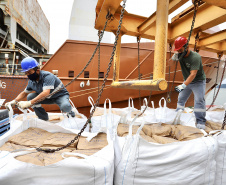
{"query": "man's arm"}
pixel 21 96
pixel 41 95
pixel 171 62
pixel 191 77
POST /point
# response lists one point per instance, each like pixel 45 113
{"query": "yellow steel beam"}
pixel 117 59
pixel 102 8
pixel 150 21
pixel 214 38
pixel 207 16
pixel 219 3
pixel 220 47
pixel 155 85
pixel 161 39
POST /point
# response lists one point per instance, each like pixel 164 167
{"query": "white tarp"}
pixel 95 169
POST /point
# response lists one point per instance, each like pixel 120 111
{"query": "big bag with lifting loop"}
pixel 107 121
pixel 94 169
pixel 141 162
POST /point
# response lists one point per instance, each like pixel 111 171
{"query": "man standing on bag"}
pixel 43 83
pixel 194 80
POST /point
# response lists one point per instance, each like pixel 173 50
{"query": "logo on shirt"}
pixel 188 65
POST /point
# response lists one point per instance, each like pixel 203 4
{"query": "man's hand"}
pixel 180 88
pixel 24 104
pixel 175 57
pixel 11 103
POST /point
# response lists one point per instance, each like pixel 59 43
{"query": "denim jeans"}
pixel 61 101
pixel 198 89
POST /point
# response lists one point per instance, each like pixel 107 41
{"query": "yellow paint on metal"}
pixel 155 85
pixel 159 69
pixel 117 58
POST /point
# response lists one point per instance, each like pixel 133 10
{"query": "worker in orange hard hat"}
pixel 194 80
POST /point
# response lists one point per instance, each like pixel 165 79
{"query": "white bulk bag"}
pixel 108 120
pixel 216 116
pixel 74 122
pixel 188 162
pixel 221 158
pixel 95 169
pixel 162 114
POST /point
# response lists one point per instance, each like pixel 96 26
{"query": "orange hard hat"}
pixel 179 43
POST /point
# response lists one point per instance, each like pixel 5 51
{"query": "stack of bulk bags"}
pixel 78 164
pixel 186 162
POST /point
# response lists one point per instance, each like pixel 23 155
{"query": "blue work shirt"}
pixel 46 80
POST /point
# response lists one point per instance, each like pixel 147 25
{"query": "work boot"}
pixel 73 113
pixel 201 126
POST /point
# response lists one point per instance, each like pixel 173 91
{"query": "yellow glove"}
pixel 11 103
pixel 24 104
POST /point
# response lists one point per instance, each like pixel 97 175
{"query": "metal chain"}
pixel 196 41
pixel 98 45
pixel 168 98
pixel 99 95
pixel 99 32
pixel 149 98
pixel 139 75
pixel 224 121
pixel 196 5
pixel 222 77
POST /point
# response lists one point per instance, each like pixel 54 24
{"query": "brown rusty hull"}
pixel 73 56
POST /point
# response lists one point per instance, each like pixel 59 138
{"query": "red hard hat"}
pixel 179 43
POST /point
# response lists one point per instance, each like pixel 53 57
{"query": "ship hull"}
pixel 72 56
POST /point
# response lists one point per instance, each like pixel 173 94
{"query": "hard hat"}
pixel 28 63
pixel 179 43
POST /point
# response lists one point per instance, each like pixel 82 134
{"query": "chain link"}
pixel 139 75
pixel 168 98
pixel 99 32
pixel 98 45
pixel 196 42
pixel 99 95
pixel 196 5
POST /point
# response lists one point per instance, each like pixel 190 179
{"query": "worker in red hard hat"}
pixel 194 80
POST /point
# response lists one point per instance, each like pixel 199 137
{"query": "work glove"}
pixel 175 57
pixel 24 104
pixel 11 103
pixel 180 88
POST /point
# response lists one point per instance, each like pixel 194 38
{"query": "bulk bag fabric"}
pixel 95 169
pixel 141 162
